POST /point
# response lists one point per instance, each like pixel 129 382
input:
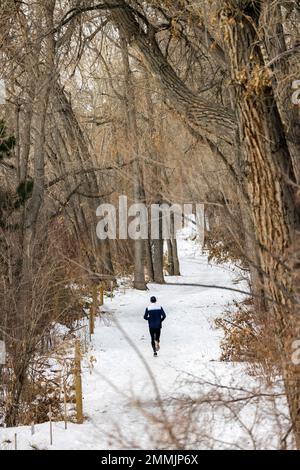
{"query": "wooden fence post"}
pixel 78 383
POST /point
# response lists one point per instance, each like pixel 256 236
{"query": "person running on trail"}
pixel 155 315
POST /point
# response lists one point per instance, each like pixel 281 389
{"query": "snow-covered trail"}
pixel 189 345
pixel 189 342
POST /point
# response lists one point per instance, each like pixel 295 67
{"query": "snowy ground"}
pixel 125 371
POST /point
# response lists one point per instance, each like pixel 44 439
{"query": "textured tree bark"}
pixel 211 119
pixel 274 40
pixel 267 170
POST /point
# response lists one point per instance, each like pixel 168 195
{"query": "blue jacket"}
pixel 155 315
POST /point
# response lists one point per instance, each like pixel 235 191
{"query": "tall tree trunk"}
pixel 46 76
pixel 155 154
pixel 174 247
pixel 267 170
pixel 275 43
pixel 171 270
pixel 175 257
pixel 149 258
pixel 139 192
pixel 173 260
pixel 158 255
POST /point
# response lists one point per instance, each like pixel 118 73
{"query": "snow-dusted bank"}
pixel 128 393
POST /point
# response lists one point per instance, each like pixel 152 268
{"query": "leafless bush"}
pixel 213 416
pixel 27 324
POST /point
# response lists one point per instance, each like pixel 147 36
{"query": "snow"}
pixel 123 383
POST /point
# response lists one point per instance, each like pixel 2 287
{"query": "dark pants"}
pixel 155 336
